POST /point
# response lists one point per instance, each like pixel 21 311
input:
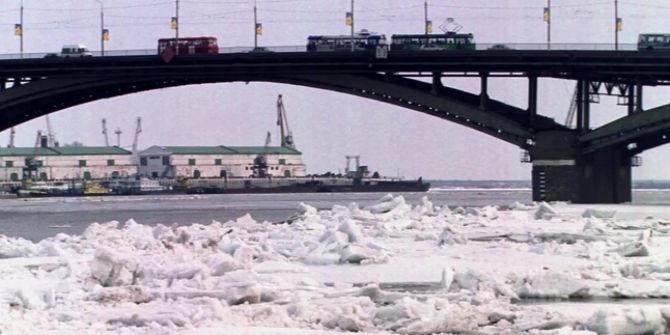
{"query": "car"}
pixel 71 50
pixel 260 49
pixel 75 50
pixel 500 47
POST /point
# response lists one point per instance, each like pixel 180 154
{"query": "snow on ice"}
pixel 391 267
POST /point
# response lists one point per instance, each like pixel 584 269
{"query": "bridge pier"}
pixel 561 172
pixel 484 91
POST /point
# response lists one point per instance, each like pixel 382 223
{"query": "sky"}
pixel 326 125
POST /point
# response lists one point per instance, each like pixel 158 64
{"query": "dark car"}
pixel 500 47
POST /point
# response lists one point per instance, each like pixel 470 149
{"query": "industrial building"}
pixel 66 163
pixel 47 161
pixel 218 161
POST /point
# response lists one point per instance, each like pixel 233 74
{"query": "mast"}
pixel 282 122
pixel 51 136
pixel 118 133
pixel 12 134
pixel 104 131
pixel 138 130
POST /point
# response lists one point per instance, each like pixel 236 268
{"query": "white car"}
pixel 72 50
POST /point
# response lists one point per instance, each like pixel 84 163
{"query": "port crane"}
pixel 51 135
pixel 31 163
pixel 138 130
pixel 118 133
pixel 260 167
pixel 12 134
pixel 282 122
pixel 104 131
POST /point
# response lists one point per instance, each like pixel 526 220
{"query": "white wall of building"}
pixel 68 167
pixel 234 165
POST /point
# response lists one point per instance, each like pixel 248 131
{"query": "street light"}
pixel 176 28
pixel 18 30
pixel 547 19
pixel 350 22
pixel 103 33
pixel 618 25
pixel 428 25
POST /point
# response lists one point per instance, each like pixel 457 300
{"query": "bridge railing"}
pixel 557 46
pixel 303 48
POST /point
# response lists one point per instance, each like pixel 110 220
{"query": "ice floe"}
pixel 390 267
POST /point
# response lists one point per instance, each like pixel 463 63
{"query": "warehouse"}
pixel 218 161
pixel 65 163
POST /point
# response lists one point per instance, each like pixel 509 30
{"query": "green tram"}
pixel 448 41
pixel 653 41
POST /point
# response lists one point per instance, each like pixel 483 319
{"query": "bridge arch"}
pixel 43 96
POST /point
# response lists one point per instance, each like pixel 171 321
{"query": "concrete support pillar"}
pixel 606 177
pixel 555 172
pixel 562 173
pixel 580 105
pixel 587 107
pixel 532 100
pixel 631 99
pixel 437 83
pixel 638 98
pixel 484 92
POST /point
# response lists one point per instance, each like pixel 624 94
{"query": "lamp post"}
pixel 617 24
pixel 547 17
pixel 176 28
pixel 102 28
pixel 255 27
pixel 352 25
pixel 427 24
pixel 21 32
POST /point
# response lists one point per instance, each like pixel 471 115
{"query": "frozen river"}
pixel 36 218
pixel 447 261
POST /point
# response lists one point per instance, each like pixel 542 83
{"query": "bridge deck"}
pixel 644 67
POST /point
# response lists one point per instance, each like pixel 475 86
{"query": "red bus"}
pixel 189 45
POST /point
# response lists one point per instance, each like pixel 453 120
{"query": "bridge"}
pixel 580 164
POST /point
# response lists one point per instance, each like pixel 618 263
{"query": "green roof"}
pixel 63 151
pixel 218 150
pixel 224 150
pixel 27 152
pixel 77 151
pixel 268 150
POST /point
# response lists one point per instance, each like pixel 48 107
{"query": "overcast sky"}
pixel 326 125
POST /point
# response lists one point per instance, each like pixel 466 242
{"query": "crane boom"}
pixel 104 131
pixel 570 118
pixel 51 136
pixel 260 166
pixel 268 137
pixel 12 134
pixel 138 130
pixel 282 122
pixel 118 133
